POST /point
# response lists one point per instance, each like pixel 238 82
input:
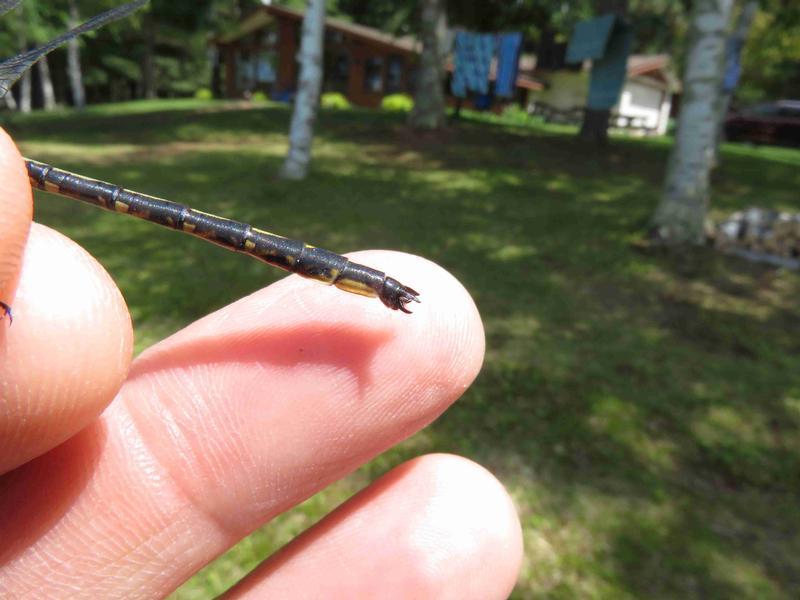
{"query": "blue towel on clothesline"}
pixel 473 52
pixel 509 46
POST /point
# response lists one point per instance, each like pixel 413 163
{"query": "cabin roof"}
pixel 264 15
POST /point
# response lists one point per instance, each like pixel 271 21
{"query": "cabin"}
pixel 362 63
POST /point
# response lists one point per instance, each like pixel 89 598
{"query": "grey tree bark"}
pixel 74 61
pixel 25 87
pixel 738 39
pixel 680 216
pixel 46 83
pixel 11 102
pixel 429 100
pixel 301 131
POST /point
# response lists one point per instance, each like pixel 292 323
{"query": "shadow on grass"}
pixel 644 410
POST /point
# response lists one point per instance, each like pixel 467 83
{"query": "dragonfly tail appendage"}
pixel 395 295
pixel 6 309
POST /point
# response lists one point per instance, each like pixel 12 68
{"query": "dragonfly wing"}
pixel 13 68
pixel 7 5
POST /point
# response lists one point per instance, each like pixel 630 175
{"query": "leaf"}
pixel 7 5
pixel 13 68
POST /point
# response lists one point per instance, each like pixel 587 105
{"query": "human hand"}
pixel 122 480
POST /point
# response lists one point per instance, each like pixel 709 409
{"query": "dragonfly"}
pixel 288 254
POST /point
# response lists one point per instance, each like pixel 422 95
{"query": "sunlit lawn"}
pixel 643 410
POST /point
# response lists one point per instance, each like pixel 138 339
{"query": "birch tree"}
pixel 429 101
pixel 301 131
pixel 680 216
pixel 46 84
pixel 25 88
pixel 74 72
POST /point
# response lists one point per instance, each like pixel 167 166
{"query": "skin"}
pixel 122 479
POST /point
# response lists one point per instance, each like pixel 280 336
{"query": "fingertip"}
pixel 15 217
pixel 439 526
pixel 469 521
pixel 68 351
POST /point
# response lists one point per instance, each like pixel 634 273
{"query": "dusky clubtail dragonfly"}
pixel 288 254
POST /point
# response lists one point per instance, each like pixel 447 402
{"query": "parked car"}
pixel 767 123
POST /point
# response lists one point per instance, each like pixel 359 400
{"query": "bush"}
pixel 258 97
pixel 514 113
pixel 203 94
pixel 397 102
pixel 334 100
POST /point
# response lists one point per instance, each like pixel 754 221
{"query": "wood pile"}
pixel 761 235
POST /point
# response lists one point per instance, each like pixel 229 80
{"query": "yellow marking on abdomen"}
pixel 355 287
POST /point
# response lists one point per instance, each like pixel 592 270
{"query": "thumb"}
pixel 15 216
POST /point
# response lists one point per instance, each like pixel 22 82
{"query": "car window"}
pixel 791 112
pixel 762 110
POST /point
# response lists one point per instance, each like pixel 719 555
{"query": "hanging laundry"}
pixel 473 53
pixel 590 38
pixel 607 42
pixel 509 46
pixel 733 67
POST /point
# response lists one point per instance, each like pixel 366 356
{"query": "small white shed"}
pixel 646 97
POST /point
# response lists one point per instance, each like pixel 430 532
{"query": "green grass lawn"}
pixel 642 409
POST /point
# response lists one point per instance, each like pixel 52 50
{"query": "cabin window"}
pixel 245 70
pixel 394 74
pixel 255 70
pixel 337 71
pixel 333 37
pixel 413 78
pixel 373 75
pixel 265 67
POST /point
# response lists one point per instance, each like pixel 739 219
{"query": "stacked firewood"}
pixel 764 235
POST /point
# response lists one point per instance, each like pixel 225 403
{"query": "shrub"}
pixel 334 100
pixel 203 94
pixel 514 113
pixel 397 102
pixel 258 97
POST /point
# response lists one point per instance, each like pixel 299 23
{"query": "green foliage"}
pixel 771 57
pixel 515 114
pixel 334 101
pixel 259 96
pixel 643 410
pixel 203 94
pixel 397 102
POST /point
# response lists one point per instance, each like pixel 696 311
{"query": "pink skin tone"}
pixel 122 478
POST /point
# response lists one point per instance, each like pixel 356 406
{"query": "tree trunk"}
pixel 25 93
pixel 25 88
pixel 429 101
pixel 74 61
pixel 594 128
pixel 11 102
pixel 46 83
pixel 735 45
pixel 680 216
pixel 148 60
pixel 301 131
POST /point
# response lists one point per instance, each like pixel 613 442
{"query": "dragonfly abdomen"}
pixel 285 253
